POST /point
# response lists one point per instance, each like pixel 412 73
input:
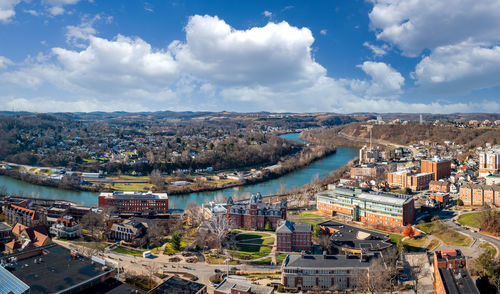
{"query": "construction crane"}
pixel 369 128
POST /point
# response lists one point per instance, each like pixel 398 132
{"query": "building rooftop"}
pixel 54 270
pixel 421 174
pixel 388 198
pixel 10 283
pixel 436 160
pixel 242 285
pixel 355 238
pixel 457 281
pixel 326 261
pixel 4 227
pixel 287 226
pixel 134 195
pixel 177 285
pixel 400 172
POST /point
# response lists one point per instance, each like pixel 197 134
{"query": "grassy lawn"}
pixel 170 250
pixel 218 260
pixel 490 250
pixel 133 178
pixel 448 236
pixel 92 245
pixel 131 186
pixel 249 252
pixel 432 245
pixel 310 214
pixel 280 257
pixel 395 238
pixel 265 261
pixel 415 244
pixel 129 251
pixel 308 221
pixel 470 219
pixel 426 227
pixel 246 236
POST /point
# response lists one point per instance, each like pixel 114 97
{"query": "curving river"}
pixel 296 178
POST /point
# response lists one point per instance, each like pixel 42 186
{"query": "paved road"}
pixel 447 218
pixel 201 270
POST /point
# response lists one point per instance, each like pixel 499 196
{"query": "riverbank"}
pixel 189 184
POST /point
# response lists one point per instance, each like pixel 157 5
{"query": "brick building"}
pixel 479 195
pixel 324 272
pixel 441 168
pixel 241 286
pixel 291 236
pixel 451 274
pixel 441 198
pixel 489 162
pixel 366 171
pixel 15 213
pixel 439 186
pixel 420 181
pixel 398 179
pixel 384 210
pixel 66 227
pixel 135 202
pixel 129 231
pixel 254 214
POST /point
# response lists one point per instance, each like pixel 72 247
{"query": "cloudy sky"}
pixel 437 56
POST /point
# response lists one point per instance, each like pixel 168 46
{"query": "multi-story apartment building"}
pixel 254 214
pixel 135 202
pixel 440 197
pixel 381 209
pixel 129 231
pixel 478 195
pixel 451 274
pixel 291 236
pixel 420 181
pixel 366 171
pixel 439 186
pixel 18 214
pixel 368 155
pixel 441 168
pixel 489 162
pixel 324 272
pixel 398 178
pixel 66 227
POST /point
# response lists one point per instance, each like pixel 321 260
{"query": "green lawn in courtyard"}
pixel 129 251
pixel 470 219
pixel 250 252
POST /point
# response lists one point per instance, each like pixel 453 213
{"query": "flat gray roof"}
pixel 325 261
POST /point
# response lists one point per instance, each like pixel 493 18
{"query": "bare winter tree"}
pixel 157 179
pixel 156 230
pixel 194 214
pixel 92 222
pixel 219 226
pixel 375 280
pixel 417 272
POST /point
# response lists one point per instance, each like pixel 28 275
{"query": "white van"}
pixel 147 254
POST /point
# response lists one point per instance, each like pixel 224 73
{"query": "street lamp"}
pixel 227 267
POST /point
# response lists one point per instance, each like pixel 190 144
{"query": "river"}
pixel 296 178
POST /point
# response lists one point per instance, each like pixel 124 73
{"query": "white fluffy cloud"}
pixel 7 10
pixel 4 62
pixel 56 7
pixel 464 66
pixel 378 51
pixel 427 24
pixel 462 37
pixel 271 55
pixel 216 67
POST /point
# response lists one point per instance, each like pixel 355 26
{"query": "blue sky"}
pixel 300 56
